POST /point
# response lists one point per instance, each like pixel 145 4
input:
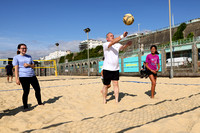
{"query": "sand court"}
pixel 74 104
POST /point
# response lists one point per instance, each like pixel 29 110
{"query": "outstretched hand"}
pixel 125 34
pixel 125 46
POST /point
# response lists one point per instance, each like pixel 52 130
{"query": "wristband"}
pixel 122 36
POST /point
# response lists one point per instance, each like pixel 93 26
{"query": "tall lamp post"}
pixel 87 30
pixel 139 37
pixel 170 30
pixel 57 44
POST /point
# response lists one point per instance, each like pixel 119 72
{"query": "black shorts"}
pixel 9 74
pixel 110 75
pixel 150 72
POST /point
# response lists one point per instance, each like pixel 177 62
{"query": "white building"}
pixel 56 54
pixel 195 20
pixel 92 44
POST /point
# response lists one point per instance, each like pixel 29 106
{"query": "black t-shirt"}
pixel 144 67
pixel 9 68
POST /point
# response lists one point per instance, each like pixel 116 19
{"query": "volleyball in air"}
pixel 128 19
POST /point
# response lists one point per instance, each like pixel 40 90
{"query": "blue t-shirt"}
pixel 24 71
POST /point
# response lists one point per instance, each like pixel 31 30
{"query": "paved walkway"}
pixel 130 119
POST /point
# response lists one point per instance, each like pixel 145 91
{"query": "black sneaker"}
pixel 25 107
pixel 41 104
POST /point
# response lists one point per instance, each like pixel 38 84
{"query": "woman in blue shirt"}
pixel 25 75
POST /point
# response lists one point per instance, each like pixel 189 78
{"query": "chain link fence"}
pixel 185 61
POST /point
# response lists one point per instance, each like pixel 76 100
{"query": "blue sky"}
pixel 42 23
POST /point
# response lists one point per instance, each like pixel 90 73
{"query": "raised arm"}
pixel 125 46
pixel 117 39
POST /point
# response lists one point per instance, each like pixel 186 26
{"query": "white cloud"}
pixel 7 54
pixel 101 39
pixel 36 48
pixel 63 45
pixel 8 43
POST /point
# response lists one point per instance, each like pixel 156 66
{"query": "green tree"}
pixel 94 52
pixel 190 35
pixel 179 33
pixel 62 59
pixel 69 56
pixel 81 55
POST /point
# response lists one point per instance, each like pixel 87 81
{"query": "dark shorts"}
pixel 110 75
pixel 150 73
pixel 9 74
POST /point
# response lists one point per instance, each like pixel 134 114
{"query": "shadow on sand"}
pixel 148 93
pixel 121 95
pixel 10 112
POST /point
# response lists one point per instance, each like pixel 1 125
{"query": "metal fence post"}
pixel 139 61
pixel 195 58
pixel 98 67
pixel 122 64
pixel 163 61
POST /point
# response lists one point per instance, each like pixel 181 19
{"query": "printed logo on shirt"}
pixel 153 61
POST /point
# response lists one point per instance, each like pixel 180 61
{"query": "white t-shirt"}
pixel 111 55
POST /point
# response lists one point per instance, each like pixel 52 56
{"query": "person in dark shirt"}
pixel 143 72
pixel 9 71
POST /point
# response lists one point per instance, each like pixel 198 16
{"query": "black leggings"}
pixel 25 82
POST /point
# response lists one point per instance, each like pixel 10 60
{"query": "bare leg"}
pixel 116 90
pixel 108 88
pixel 153 84
pixel 105 91
pixel 7 78
pixel 11 78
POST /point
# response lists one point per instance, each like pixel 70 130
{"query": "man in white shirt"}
pixel 111 63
